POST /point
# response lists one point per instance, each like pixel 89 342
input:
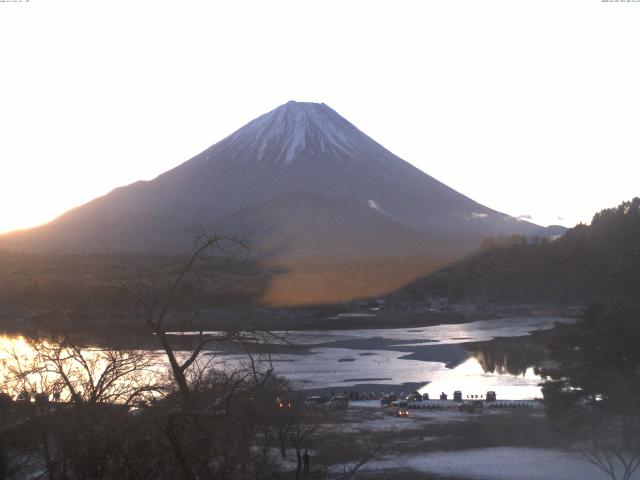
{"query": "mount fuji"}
pixel 341 216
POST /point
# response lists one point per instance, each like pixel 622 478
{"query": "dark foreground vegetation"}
pixel 120 415
pixel 592 392
pixel 79 414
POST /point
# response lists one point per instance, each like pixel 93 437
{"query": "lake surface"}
pixel 476 357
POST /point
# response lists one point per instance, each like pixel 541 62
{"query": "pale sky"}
pixel 529 107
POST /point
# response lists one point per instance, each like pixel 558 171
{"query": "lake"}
pixel 476 357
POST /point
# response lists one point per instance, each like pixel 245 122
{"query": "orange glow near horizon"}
pixel 24 221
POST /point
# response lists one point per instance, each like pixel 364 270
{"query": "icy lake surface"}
pixel 343 359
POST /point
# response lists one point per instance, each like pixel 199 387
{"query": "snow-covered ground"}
pixel 368 417
pixel 504 463
pixel 423 442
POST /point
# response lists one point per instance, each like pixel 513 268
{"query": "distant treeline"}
pixel 588 262
pixel 34 281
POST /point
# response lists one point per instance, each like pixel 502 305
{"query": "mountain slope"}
pixel 334 248
pixel 301 182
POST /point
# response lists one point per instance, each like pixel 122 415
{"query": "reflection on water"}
pixel 503 365
pixel 387 358
pixel 509 356
pixel 478 331
pixel 472 379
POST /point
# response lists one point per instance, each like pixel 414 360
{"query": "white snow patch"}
pixel 503 463
pixel 476 215
pixel 376 206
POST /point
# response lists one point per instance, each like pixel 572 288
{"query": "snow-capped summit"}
pixel 303 126
pixel 292 132
pixel 294 128
pixel 303 183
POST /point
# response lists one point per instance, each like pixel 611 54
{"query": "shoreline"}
pixel 105 323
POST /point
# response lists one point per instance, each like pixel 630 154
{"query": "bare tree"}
pixel 370 451
pixel 67 371
pixel 157 304
pixel 88 386
pixel 204 397
pixel 299 432
pixel 601 441
pixel 201 417
pixel 12 457
pixel 615 459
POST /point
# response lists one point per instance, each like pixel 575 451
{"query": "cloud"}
pixel 524 218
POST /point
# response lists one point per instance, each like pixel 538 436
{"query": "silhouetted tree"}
pixel 577 267
pixel 592 391
pixel 200 426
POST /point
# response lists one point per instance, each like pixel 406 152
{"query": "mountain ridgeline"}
pixel 337 214
pixel 589 262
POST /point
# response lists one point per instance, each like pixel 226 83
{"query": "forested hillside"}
pixel 32 281
pixel 588 262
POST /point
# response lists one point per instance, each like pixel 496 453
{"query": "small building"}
pixel 339 401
